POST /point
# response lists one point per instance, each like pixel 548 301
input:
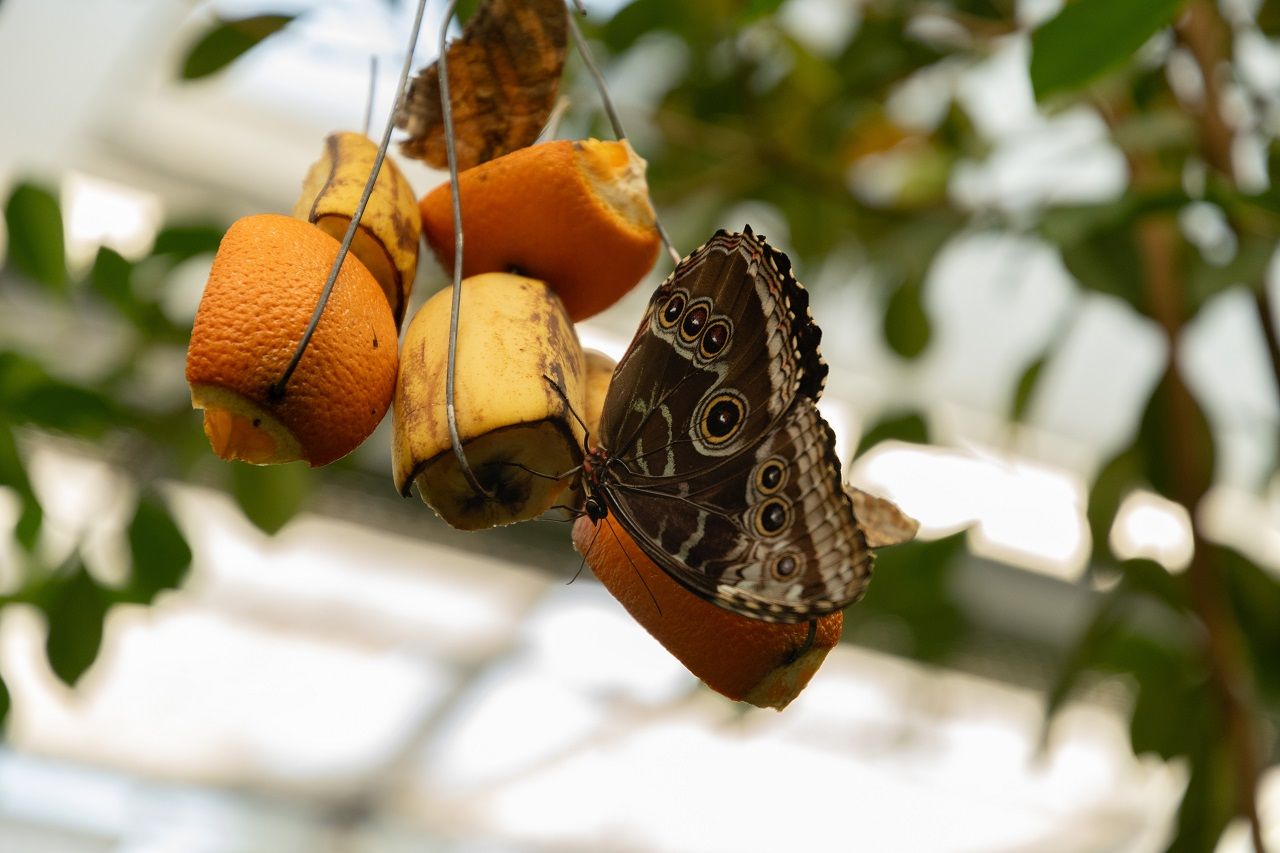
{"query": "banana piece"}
pixel 599 375
pixel 513 334
pixel 390 230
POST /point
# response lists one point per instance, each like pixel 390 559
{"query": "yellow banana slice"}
pixel 519 435
pixel 391 228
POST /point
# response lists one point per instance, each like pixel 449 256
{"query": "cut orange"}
pixel 573 214
pixel 766 664
pixel 264 284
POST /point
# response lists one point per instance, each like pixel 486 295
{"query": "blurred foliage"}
pixel 149 436
pixel 756 114
pixel 1112 30
pixel 227 41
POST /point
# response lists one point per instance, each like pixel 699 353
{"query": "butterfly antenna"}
pixel 276 392
pixel 446 109
pixel 543 475
pixel 586 433
pixel 615 122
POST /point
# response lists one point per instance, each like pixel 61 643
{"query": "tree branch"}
pixel 1158 243
pixel 1208 38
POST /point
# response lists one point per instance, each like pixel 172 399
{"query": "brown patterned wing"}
pixel 503 76
pixel 719 464
pixel 770 534
pixel 726 346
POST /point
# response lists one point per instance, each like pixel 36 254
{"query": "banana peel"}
pixel 518 433
pixel 599 374
pixel 390 229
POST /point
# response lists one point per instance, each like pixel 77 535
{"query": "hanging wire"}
pixel 368 100
pixel 446 109
pixel 276 392
pixel 584 50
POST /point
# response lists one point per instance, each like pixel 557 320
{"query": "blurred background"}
pixel 1041 242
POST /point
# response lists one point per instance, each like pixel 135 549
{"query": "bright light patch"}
pixel 593 337
pixel 102 213
pixel 1150 527
pixel 1022 512
pixel 1249 523
pixel 845 425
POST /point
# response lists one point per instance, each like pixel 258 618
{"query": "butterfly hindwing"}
pixel 771 534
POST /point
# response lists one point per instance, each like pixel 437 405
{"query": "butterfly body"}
pixel 711 451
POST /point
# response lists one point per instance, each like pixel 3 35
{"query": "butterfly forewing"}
pixel 731 336
pixel 719 464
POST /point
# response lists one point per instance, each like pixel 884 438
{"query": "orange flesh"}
pixel 763 663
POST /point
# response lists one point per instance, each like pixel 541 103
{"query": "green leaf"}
pixel 1255 599
pixel 270 495
pixel 161 555
pixel 36 244
pixel 1140 628
pixel 1149 578
pixel 1106 261
pixel 908 427
pixel 906 326
pixel 910 595
pixel 227 41
pixel 1089 37
pixel 13 473
pixel 6 702
pixel 1209 802
pixel 1248 267
pixel 752 9
pixel 638 18
pixel 30 395
pixel 1023 391
pixel 71 408
pixel 75 607
pixel 110 278
pixel 180 242
pixel 1117 479
pixel 1176 442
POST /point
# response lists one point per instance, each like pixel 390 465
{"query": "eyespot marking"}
pixel 772 517
pixel 670 313
pixel 694 320
pixel 721 418
pixel 715 337
pixel 770 476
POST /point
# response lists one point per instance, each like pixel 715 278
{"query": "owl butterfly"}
pixel 711 451
pixel 503 76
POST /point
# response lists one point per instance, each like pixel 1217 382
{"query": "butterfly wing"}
pixel 726 346
pixel 719 464
pixel 769 534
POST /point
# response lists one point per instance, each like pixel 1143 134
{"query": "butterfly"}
pixel 711 452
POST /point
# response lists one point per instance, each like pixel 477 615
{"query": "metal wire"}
pixel 276 392
pixel 446 109
pixel 584 50
pixel 368 101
